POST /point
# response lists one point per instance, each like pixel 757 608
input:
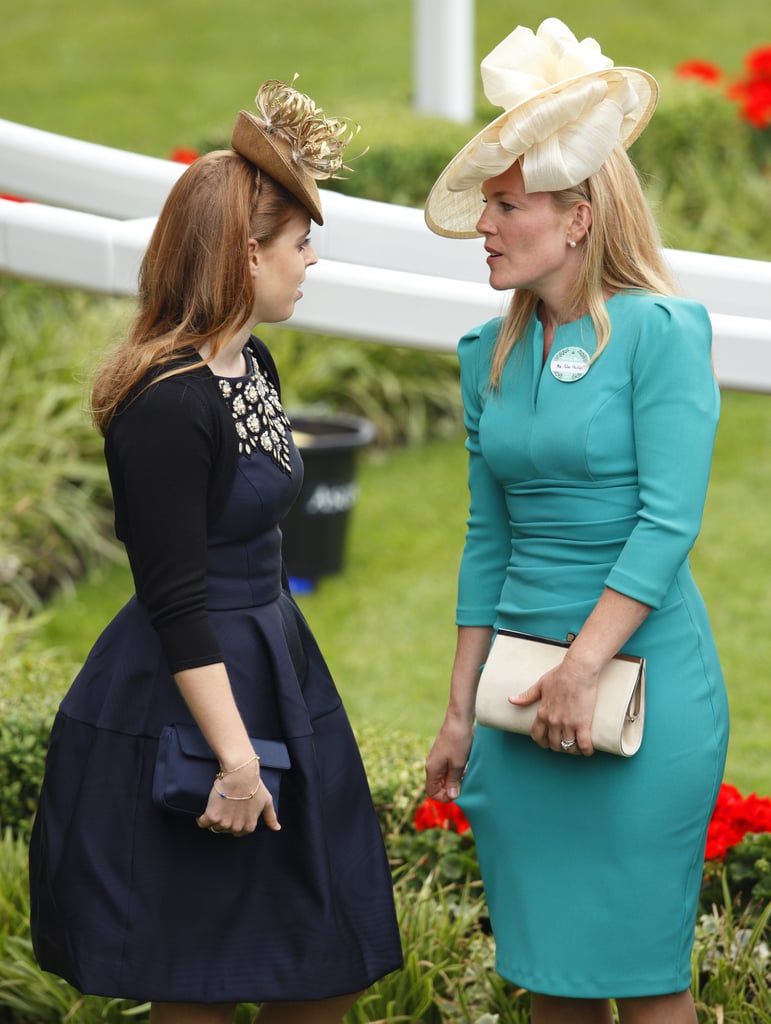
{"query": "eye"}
pixel 506 207
pixel 305 242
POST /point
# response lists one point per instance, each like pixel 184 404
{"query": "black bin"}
pixel 315 529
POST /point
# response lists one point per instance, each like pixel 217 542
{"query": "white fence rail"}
pixel 382 276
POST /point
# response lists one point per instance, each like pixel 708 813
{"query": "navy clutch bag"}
pixel 185 768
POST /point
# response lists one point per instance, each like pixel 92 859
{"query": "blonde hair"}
pixel 622 251
pixel 194 281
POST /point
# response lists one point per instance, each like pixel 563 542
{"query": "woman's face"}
pixel 278 270
pixel 526 237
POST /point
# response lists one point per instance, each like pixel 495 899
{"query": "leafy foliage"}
pixel 732 965
pixel 743 877
pixel 31 686
pixel 395 770
pixel 410 395
pixel 55 512
pixel 27 993
pixel 705 173
pixel 55 504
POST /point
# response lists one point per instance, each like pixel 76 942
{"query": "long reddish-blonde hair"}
pixel 194 281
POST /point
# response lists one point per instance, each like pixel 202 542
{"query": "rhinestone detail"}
pixel 258 416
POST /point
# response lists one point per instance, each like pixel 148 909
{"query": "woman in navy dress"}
pixel 292 910
pixel 591 412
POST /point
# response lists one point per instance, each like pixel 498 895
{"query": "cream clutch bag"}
pixel 517 660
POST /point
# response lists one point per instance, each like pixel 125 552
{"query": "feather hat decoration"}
pixel 292 140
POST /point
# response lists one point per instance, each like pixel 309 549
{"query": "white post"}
pixel 443 58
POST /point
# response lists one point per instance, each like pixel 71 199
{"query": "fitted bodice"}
pixel 243 563
pixel 581 480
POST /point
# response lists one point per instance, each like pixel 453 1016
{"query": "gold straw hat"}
pixel 292 141
pixel 566 106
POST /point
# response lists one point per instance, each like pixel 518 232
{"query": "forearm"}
pixel 472 648
pixel 614 619
pixel 567 693
pixel 447 759
pixel 208 694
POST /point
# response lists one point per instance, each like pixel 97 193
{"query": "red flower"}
pixel 754 95
pixel 435 814
pixel 752 92
pixel 734 816
pixel 702 70
pixel 183 155
pixel 758 61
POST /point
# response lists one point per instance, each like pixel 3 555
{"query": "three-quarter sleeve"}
pixel 488 535
pixel 161 451
pixel 676 404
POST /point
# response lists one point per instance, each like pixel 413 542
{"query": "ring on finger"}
pixel 567 744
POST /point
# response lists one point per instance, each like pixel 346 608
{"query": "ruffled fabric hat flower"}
pixel 566 107
pixel 292 140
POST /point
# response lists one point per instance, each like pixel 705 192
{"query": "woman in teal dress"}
pixel 590 412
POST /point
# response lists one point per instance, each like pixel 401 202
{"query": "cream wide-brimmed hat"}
pixel 292 141
pixel 566 107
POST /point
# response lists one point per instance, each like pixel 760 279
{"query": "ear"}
pixel 253 255
pixel 580 221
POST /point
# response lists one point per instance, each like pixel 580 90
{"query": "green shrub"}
pixel 732 964
pixel 705 170
pixel 28 994
pixel 397 780
pixel 405 157
pixel 744 875
pixel 31 686
pixel 706 174
pixel 409 394
pixel 56 522
pixel 55 509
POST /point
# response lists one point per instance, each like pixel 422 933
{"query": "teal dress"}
pixel 579 480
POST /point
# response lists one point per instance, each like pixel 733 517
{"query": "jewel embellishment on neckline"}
pixel 259 418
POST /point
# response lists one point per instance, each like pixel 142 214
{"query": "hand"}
pixel 246 800
pixel 446 762
pixel 568 695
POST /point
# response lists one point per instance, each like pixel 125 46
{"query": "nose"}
pixel 310 256
pixel 483 226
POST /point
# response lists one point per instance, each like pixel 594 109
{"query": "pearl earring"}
pixel 572 243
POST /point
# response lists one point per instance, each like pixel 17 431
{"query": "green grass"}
pixel 148 76
pixel 386 623
pixel 731 565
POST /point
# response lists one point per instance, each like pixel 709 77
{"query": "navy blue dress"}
pixel 130 901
